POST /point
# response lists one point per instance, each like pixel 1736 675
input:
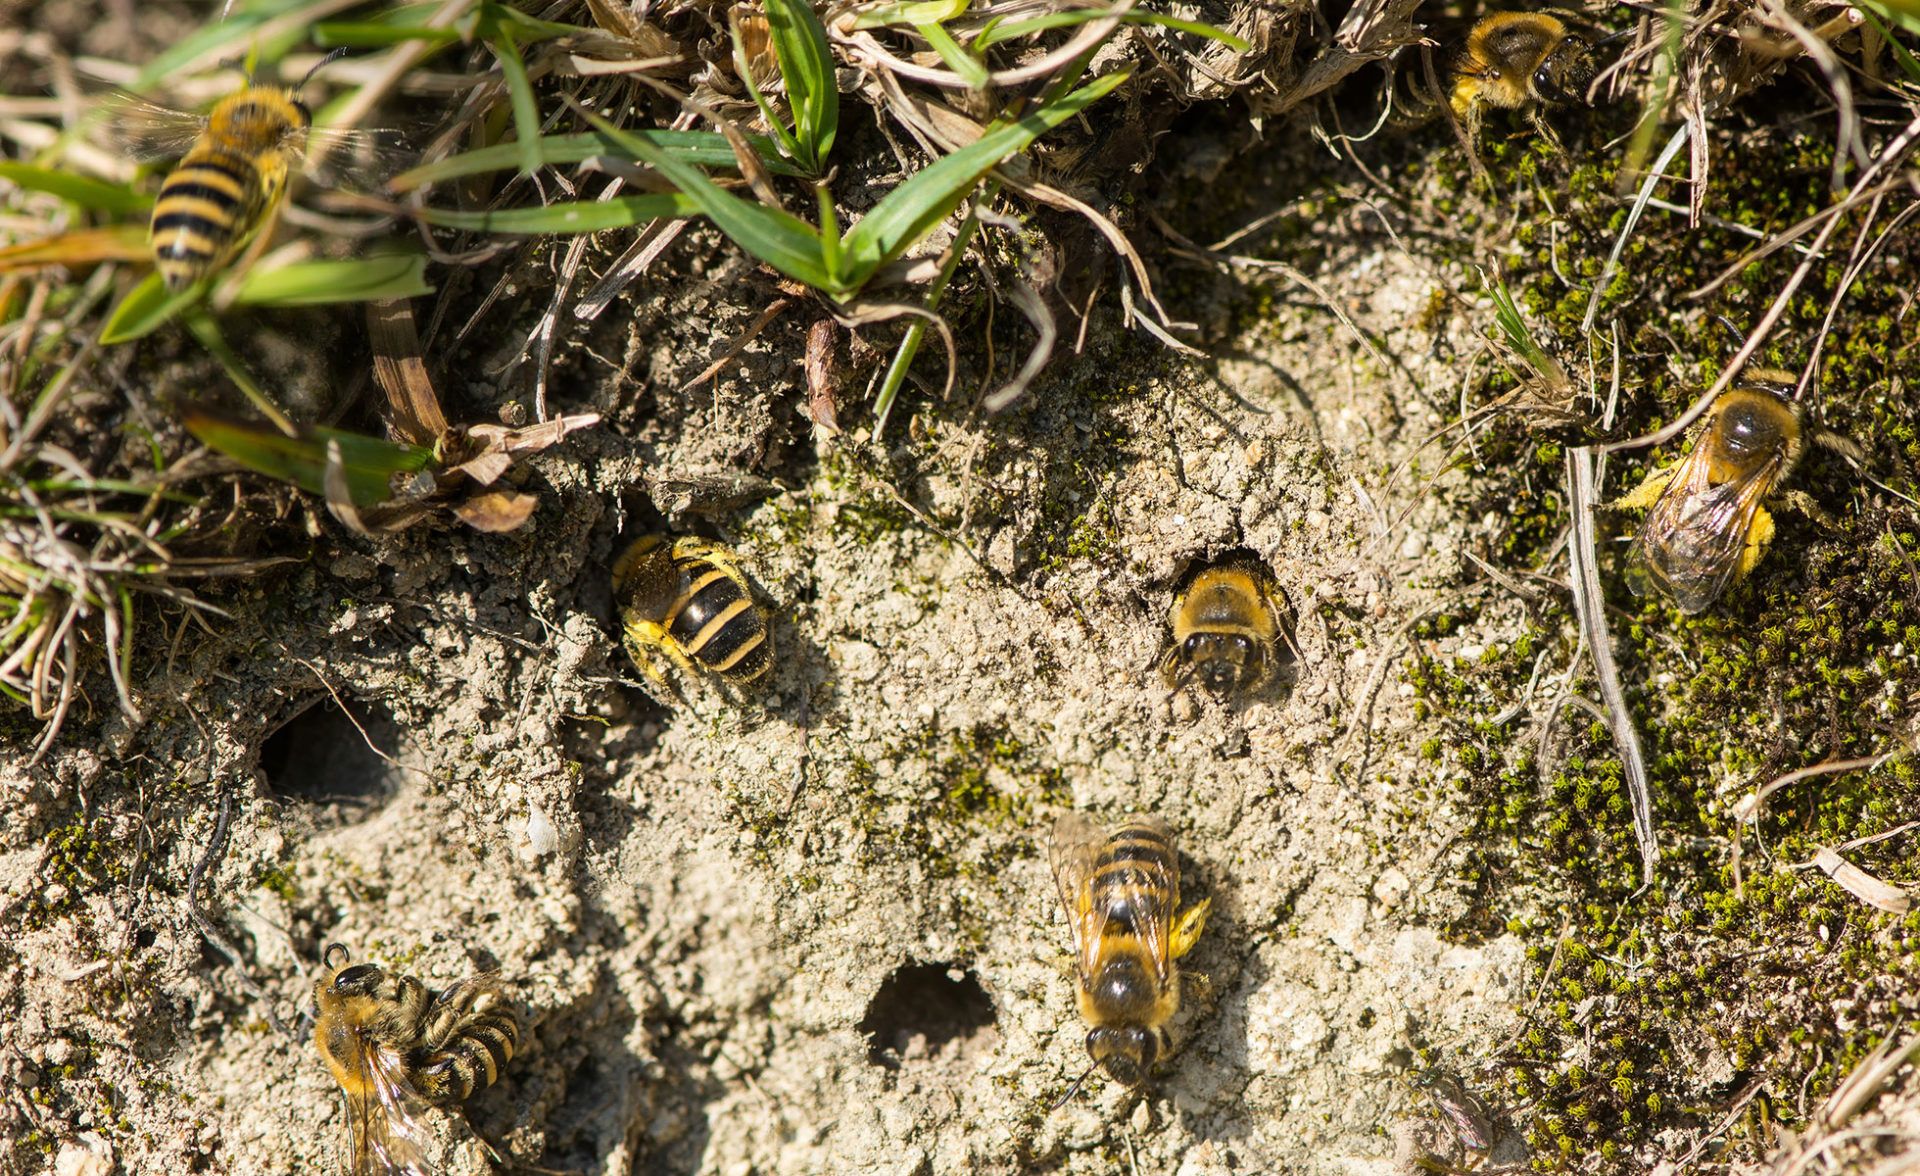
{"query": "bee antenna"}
pixel 1180 682
pixel 1074 1089
pixel 323 63
pixel 326 957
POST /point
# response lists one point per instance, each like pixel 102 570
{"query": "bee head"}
pixel 1564 74
pixel 1223 661
pixel 1125 1052
pixel 358 980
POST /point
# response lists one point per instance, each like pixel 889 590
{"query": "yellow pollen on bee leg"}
pixel 1187 928
pixel 1646 493
pixel 1759 537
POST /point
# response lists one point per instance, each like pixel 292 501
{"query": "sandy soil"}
pixel 813 930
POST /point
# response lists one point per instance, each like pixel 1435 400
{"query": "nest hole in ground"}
pixel 335 757
pixel 923 1009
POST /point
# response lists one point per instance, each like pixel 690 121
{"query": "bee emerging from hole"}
pixel 1517 59
pixel 394 1047
pixel 688 599
pixel 1227 630
pixel 1121 893
pixel 1708 525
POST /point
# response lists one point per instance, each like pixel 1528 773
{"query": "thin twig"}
pixel 1582 478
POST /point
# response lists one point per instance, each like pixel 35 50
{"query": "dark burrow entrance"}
pixel 326 756
pixel 922 1010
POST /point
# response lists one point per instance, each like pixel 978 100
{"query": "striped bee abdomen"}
pixel 471 1060
pixel 687 599
pixel 203 208
pixel 715 623
pixel 1137 878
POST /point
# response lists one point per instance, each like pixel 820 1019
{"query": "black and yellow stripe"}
pixel 686 597
pixel 715 623
pixel 1136 879
pixel 472 1056
pixel 203 208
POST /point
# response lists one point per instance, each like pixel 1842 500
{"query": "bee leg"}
pixel 1803 502
pixel 1169 664
pixel 1537 117
pixel 1841 444
pixel 645 639
pixel 1470 123
pixel 1196 987
pixel 1643 496
pixel 692 547
pixel 1759 537
pixel 1187 928
pixel 1282 610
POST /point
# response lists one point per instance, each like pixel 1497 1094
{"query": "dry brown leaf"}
pixel 484 468
pixel 1862 885
pixel 413 407
pixel 531 438
pixel 496 510
pixel 821 377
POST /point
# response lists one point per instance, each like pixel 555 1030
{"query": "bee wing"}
pixel 463 993
pixel 360 158
pixel 1150 909
pixel 386 1135
pixel 1074 851
pixel 1693 538
pixel 148 131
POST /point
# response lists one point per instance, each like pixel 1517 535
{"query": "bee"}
pixel 1466 1115
pixel 1514 59
pixel 1227 626
pixel 688 599
pixel 1708 525
pixel 235 164
pixel 1121 892
pixel 394 1047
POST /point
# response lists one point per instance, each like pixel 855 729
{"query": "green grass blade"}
pixel 1013 29
pixel 201 324
pixel 912 12
pixel 779 238
pixel 144 308
pixel 332 280
pixel 1513 325
pixel 348 34
pixel 582 216
pixel 1905 12
pixel 402 22
pixel 704 148
pixel 958 59
pixel 743 69
pixel 909 212
pixel 88 193
pixel 829 229
pixel 806 65
pixel 1907 16
pixel 526 108
pixel 236 32
pixel 369 462
pixel 529 29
